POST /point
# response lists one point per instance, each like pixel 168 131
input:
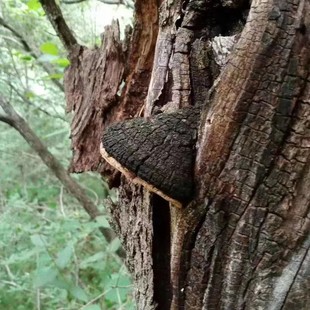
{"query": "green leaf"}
pixel 20 257
pixel 78 293
pixel 34 5
pixel 119 286
pixel 64 256
pixel 114 245
pixel 54 76
pixel 92 259
pixel 26 57
pixel 60 282
pixel 38 240
pixel 52 205
pixel 62 62
pixel 45 276
pixel 29 94
pixel 92 307
pixel 49 48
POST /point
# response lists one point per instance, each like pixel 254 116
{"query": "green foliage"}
pixel 49 48
pixel 51 255
pixel 34 5
pixel 58 259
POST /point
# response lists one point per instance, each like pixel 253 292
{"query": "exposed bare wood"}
pixel 91 97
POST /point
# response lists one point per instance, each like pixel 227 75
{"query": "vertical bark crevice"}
pixel 161 252
pixel 245 234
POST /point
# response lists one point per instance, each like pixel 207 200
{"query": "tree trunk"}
pixel 243 241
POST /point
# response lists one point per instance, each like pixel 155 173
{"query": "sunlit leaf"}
pixel 33 5
pixel 55 76
pixel 62 62
pixel 25 57
pixel 49 48
pixel 29 94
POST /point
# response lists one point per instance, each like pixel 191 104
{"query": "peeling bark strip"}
pixel 92 82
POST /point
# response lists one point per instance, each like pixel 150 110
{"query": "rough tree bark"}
pixel 243 241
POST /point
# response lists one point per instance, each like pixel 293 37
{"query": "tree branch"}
pixel 29 50
pixel 29 102
pixel 115 2
pixel 63 31
pixel 13 119
pixel 72 2
pixel 7 120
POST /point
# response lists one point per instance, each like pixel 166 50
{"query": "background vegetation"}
pixel 52 256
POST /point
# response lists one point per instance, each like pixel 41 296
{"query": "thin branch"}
pixel 15 120
pixel 29 50
pixel 129 4
pixel 7 120
pixel 26 100
pixel 20 38
pixel 115 2
pixel 73 1
pixel 57 20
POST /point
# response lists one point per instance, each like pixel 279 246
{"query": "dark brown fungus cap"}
pixel 158 153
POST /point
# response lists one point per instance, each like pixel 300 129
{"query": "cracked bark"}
pixel 242 242
pixel 158 153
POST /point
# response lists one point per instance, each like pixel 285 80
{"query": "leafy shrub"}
pixel 56 259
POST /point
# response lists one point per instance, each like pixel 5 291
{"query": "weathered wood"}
pixel 90 97
pixel 252 166
pixel 242 243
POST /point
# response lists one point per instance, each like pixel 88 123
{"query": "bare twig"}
pixel 61 203
pixel 38 299
pixel 115 2
pixel 62 29
pixel 26 100
pixel 72 2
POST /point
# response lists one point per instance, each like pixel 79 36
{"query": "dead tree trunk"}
pixel 243 241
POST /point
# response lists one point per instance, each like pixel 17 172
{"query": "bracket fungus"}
pixel 158 153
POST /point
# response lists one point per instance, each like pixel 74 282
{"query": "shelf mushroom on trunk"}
pixel 158 153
